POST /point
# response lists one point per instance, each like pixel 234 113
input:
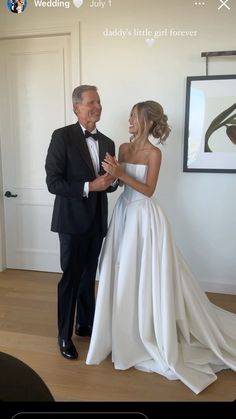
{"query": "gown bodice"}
pixel 139 172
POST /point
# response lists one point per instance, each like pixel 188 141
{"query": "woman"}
pixel 150 311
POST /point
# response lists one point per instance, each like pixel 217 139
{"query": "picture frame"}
pixel 210 124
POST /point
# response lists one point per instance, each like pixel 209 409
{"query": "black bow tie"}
pixel 89 134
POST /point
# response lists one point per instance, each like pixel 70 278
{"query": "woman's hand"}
pixel 112 166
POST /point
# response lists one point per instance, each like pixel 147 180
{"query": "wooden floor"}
pixel 28 331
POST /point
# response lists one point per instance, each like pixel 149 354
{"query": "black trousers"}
pixel 76 290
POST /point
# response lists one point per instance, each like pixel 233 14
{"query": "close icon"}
pixel 224 3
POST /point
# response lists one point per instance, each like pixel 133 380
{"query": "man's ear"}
pixel 75 109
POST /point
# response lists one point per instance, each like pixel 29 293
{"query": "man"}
pixel 14 6
pixel 76 177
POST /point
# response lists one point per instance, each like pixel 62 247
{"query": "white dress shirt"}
pixel 93 147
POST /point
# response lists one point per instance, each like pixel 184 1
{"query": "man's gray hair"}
pixel 77 92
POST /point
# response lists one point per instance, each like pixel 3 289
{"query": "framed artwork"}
pixel 210 124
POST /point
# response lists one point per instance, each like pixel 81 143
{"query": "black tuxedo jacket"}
pixel 68 166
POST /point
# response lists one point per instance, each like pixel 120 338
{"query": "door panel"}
pixel 35 101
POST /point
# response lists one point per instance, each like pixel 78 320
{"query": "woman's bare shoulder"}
pixel 124 146
pixel 155 154
pixel 123 150
pixel 156 150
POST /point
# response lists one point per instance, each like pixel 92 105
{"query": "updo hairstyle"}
pixel 152 120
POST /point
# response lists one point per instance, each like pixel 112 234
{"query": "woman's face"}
pixel 133 122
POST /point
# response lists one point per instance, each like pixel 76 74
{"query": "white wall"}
pixel 200 206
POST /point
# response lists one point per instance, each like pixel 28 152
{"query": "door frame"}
pixel 74 32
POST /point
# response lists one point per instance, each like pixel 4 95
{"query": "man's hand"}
pixel 101 183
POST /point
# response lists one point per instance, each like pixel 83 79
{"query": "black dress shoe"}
pixel 67 348
pixel 83 330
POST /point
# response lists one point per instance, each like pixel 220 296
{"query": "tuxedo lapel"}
pixel 80 142
pixel 102 152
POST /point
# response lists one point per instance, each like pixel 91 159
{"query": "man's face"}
pixel 89 109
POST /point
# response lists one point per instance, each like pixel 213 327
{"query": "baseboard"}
pixel 218 287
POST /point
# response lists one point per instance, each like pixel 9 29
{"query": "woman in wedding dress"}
pixel 151 313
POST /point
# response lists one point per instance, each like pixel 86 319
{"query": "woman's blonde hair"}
pixel 152 120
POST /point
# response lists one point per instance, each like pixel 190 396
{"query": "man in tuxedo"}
pixel 14 6
pixel 76 177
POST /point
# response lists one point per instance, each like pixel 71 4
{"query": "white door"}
pixel 35 100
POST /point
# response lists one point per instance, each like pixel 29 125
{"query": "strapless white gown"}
pixel 150 311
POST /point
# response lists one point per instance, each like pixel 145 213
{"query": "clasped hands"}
pixel 112 166
pixel 113 171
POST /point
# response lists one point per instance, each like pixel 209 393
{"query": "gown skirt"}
pixel 151 313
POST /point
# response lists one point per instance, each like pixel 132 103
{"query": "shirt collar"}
pixel 94 131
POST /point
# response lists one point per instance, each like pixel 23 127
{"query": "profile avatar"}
pixel 17 6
